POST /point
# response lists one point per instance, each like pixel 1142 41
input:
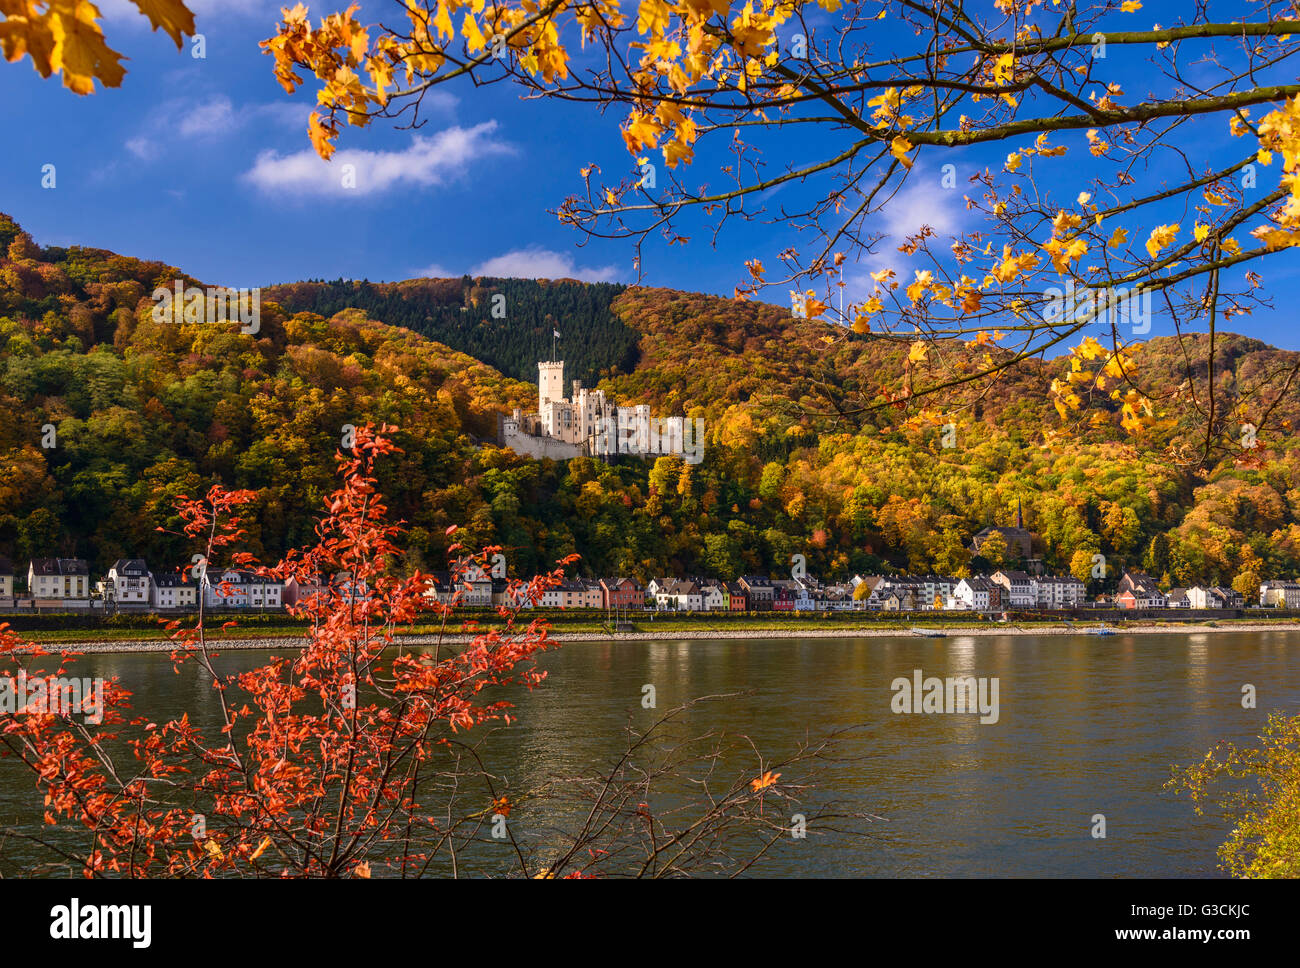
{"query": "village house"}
pixel 937 590
pixel 466 586
pixel 685 596
pixel 1067 592
pixel 1177 598
pixel 622 593
pixel 1137 589
pixel 1017 588
pixel 593 595
pixel 6 582
pixel 344 588
pixel 173 591
pixel 737 600
pixel 839 598
pixel 713 595
pixel 567 594
pixel 65 580
pixel 238 589
pixel 1215 597
pixel 128 583
pixel 759 592
pixel 301 591
pixel 977 594
pixel 783 594
pixel 1272 594
pixel 805 594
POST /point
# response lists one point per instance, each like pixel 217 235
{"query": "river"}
pixel 1085 725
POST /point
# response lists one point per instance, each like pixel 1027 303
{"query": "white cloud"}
pixel 922 202
pixel 427 162
pixel 538 263
pixel 142 148
pixel 436 271
pixel 533 262
pixel 215 116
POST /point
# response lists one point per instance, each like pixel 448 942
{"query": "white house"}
pixel 66 579
pixel 1214 597
pixel 684 596
pixel 713 595
pixel 234 589
pixel 972 594
pixel 1066 592
pixel 6 582
pixel 1272 594
pixel 128 582
pixel 173 591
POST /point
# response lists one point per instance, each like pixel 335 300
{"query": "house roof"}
pixel 6 566
pixel 130 566
pixel 60 566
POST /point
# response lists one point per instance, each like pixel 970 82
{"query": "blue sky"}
pixel 205 164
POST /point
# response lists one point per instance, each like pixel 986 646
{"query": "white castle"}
pixel 590 424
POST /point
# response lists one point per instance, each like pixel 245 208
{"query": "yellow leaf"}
pixel 79 50
pixel 442 21
pixel 473 36
pixel 1090 349
pixel 764 781
pixel 321 136
pixel 899 148
pixel 171 15
pixel 918 352
pixel 1162 236
pixel 261 849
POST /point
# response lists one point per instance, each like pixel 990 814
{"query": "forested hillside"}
pixel 144 411
pixel 511 334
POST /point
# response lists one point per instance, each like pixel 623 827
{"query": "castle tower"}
pixel 550 388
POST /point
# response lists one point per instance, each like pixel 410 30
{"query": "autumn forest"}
pixel 144 411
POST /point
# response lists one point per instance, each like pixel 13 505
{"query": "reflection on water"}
pixel 1087 725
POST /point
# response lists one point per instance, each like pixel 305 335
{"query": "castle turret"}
pixel 550 389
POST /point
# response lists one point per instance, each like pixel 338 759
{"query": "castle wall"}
pixel 539 447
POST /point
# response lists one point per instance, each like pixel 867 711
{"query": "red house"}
pixel 737 600
pixel 622 593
